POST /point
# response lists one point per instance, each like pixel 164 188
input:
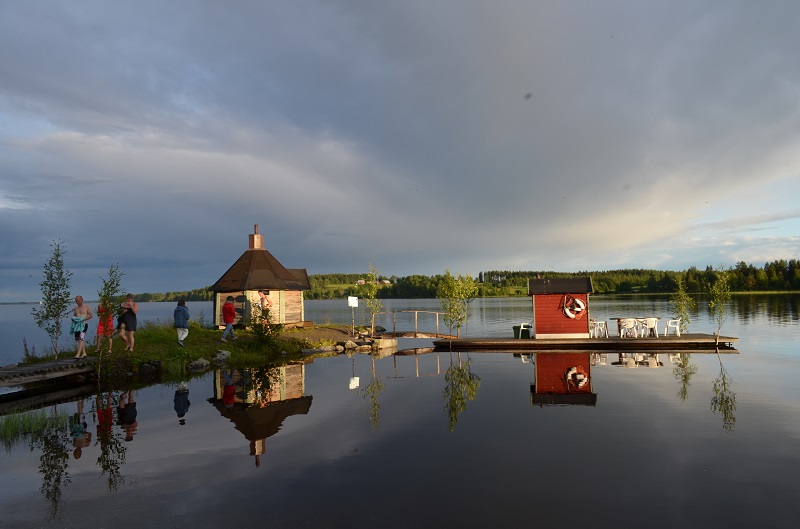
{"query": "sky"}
pixel 413 135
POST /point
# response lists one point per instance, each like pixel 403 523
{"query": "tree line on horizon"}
pixel 779 275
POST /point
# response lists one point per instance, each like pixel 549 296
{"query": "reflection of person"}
pixel 105 326
pixel 77 429
pixel 228 316
pixel 229 390
pixel 127 322
pixel 181 316
pixel 182 403
pixel 105 417
pixel 126 414
pixel 81 313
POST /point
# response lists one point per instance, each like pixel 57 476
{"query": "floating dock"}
pixel 683 343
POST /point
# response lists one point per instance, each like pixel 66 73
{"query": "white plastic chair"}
pixel 649 324
pixel 528 327
pixel 627 328
pixel 601 328
pixel 673 324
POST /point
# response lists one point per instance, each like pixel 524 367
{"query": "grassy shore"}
pixel 157 342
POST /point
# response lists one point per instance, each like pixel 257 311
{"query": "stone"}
pixel 201 364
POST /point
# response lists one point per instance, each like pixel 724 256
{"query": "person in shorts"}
pixel 81 313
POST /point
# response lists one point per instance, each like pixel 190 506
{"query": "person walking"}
pixel 181 316
pixel 228 316
pixel 127 322
pixel 81 313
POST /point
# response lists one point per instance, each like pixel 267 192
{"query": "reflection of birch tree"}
pixel 53 441
pixel 112 450
pixel 371 392
pixel 260 382
pixel 724 399
pixel 683 372
pixel 461 386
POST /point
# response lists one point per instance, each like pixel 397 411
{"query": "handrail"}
pixel 416 320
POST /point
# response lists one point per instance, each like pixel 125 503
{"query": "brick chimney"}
pixel 256 239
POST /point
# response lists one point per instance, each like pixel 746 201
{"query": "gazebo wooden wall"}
pixel 287 306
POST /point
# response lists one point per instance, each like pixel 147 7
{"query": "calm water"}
pixel 387 453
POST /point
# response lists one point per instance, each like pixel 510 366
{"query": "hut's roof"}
pixel 257 269
pixel 560 286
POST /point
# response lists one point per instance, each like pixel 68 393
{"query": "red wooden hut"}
pixel 560 307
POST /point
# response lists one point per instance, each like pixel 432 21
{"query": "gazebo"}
pixel 258 270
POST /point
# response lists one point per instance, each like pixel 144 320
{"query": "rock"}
pixel 201 364
pixel 222 357
pixel 149 371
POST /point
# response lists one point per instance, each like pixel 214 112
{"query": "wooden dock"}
pixel 683 343
pixel 19 375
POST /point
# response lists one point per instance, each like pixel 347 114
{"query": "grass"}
pixel 17 427
pixel 157 341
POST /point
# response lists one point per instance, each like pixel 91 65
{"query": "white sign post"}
pixel 352 302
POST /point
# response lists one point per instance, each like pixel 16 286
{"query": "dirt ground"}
pixel 316 334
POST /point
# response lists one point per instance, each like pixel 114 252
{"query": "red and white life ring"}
pixel 573 308
pixel 577 376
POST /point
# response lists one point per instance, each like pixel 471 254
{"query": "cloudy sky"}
pixel 413 135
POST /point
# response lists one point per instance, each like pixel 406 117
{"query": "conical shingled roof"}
pixel 257 269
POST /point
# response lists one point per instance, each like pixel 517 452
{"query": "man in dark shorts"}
pixel 81 313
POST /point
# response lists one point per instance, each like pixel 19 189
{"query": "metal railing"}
pixel 416 320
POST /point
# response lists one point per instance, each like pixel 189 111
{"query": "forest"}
pixel 776 276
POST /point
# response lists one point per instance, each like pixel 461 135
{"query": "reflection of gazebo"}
pixel 258 423
pixel 551 385
pixel 261 400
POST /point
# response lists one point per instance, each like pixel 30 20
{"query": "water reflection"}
pixel 563 379
pixel 460 387
pixel 52 440
pixel 370 393
pixel 724 399
pixel 112 449
pixel 684 370
pixel 258 400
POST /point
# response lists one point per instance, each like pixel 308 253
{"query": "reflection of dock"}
pixel 21 401
pixel 685 342
pixel 27 374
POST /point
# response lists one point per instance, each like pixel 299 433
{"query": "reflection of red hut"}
pixel 556 381
pixel 255 270
pixel 560 307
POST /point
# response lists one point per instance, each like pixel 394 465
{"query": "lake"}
pixel 437 440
